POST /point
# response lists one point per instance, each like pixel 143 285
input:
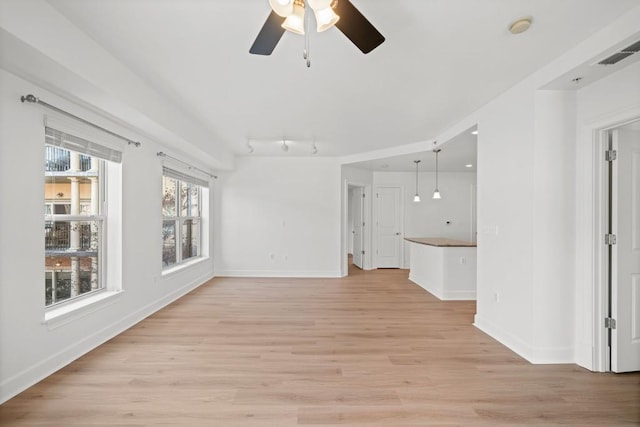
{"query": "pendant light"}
pixel 436 194
pixel 416 198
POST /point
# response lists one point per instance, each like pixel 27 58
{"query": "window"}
pixel 75 216
pixel 182 217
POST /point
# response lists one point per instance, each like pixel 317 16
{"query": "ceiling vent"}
pixel 619 56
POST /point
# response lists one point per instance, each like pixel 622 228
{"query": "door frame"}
pixel 366 230
pixel 599 132
pixel 374 209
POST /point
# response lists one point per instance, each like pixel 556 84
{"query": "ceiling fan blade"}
pixel 356 27
pixel 269 35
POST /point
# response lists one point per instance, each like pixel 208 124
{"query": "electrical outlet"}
pixel 463 260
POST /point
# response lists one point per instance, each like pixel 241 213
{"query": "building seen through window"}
pixel 181 211
pixel 73 225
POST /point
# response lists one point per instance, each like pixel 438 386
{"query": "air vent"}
pixel 619 56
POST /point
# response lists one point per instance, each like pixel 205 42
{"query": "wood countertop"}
pixel 440 242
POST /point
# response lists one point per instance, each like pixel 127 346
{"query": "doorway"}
pixel 621 242
pixel 389 227
pixel 355 218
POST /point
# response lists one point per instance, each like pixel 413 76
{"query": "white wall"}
pixel 532 187
pixel 428 218
pixel 281 217
pixel 29 348
pixel 600 105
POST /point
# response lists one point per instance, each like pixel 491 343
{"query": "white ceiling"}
pixel 454 156
pixel 442 60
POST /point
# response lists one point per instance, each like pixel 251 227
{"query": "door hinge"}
pixel 362 252
pixel 610 155
pixel 363 195
pixel 609 323
pixel 610 239
pixel 363 223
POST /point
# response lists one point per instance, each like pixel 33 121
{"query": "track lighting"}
pixel 285 147
pixel 250 147
pixel 314 149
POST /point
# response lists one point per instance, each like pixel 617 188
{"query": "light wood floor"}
pixel 370 349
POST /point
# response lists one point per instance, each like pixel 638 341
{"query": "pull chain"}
pixel 306 54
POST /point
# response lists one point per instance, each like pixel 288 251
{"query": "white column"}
pixel 75 276
pixel 74 242
pixel 74 234
pixel 95 210
pixel 74 161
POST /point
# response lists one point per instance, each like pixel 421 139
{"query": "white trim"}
pixel 592 354
pixel 176 268
pixel 374 219
pixel 367 217
pixel 534 355
pixel 60 315
pixel 300 274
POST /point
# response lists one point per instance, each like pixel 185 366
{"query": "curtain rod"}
pixel 34 99
pixel 162 154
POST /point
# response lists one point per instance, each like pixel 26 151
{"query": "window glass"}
pixel 73 245
pixel 169 188
pixel 181 227
pixel 169 253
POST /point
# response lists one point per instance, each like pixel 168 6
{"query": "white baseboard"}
pixel 459 296
pixel 19 382
pixel 303 274
pixel 534 355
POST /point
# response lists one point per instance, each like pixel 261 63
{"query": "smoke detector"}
pixel 520 25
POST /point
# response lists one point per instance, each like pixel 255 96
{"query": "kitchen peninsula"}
pixel 444 267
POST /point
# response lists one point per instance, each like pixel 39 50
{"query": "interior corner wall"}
pixel 504 307
pixel 554 225
pixel 31 349
pixel 281 218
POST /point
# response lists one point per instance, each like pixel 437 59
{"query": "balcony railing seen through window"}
pixel 59 160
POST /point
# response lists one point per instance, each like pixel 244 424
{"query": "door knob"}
pixel 397 234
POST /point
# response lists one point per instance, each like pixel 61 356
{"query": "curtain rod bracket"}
pixel 28 98
pixel 35 99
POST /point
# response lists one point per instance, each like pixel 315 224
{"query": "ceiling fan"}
pixel 289 15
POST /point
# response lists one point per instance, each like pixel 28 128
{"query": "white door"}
pixel 388 226
pixel 358 226
pixel 625 345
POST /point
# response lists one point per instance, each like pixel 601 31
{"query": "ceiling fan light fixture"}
pixel 295 21
pixel 283 8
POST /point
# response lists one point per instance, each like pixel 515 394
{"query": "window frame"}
pixel 101 218
pixel 179 220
